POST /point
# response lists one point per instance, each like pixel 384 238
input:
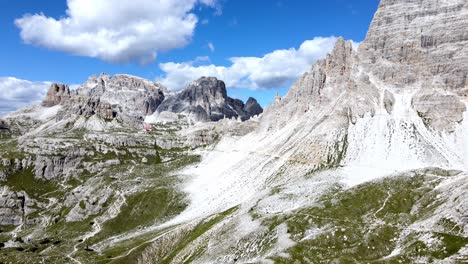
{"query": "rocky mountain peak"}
pixel 415 47
pixel 129 99
pixel 206 100
pixel 328 78
pixel 252 107
pixel 124 97
pixel 206 88
pixel 58 94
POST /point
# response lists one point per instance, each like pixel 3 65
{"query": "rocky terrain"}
pixel 364 160
pixel 206 100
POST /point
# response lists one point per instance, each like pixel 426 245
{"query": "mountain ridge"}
pixel 365 159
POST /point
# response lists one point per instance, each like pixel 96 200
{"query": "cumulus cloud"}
pixel 274 70
pixel 116 30
pixel 16 93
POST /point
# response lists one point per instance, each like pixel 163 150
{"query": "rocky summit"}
pixel 364 160
pixel 127 100
pixel 206 100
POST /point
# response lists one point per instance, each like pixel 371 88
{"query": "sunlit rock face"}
pixel 57 94
pixel 125 97
pixel 129 99
pixel 424 43
pixel 422 47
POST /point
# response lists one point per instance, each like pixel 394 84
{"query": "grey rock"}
pixel 388 101
pixel 152 102
pixel 12 206
pixel 57 94
pixel 206 100
pixel 439 111
pixel 123 97
pixel 48 168
pixel 419 41
pixel 252 107
pixel 86 201
pixel 94 106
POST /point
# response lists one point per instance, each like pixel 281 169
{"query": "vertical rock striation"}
pixel 423 42
pixel 57 94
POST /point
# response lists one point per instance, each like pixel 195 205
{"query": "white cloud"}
pixel 211 46
pixel 116 30
pixel 16 93
pixel 276 69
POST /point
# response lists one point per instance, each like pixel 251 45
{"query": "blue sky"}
pixel 259 33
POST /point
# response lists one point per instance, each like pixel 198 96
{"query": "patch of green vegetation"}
pixel 143 209
pixel 4 232
pixel 451 245
pixel 199 230
pixel 30 254
pixel 69 230
pixel 447 246
pixel 360 224
pixel 5 136
pixel 24 180
pixel 9 149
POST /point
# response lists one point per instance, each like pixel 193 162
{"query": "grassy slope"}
pixel 156 199
pixel 363 224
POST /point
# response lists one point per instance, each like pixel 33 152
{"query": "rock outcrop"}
pixel 4 128
pixel 252 107
pixel 12 205
pixel 94 106
pixel 120 95
pixel 123 97
pixel 57 94
pixel 418 48
pixel 439 111
pixel 206 100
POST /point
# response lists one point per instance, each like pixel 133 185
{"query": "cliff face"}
pixel 423 43
pixel 57 94
pixel 125 98
pixel 419 48
pixel 422 47
pixel 206 100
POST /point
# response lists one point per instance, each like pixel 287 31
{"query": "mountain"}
pixel 365 159
pixel 206 100
pixel 129 99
